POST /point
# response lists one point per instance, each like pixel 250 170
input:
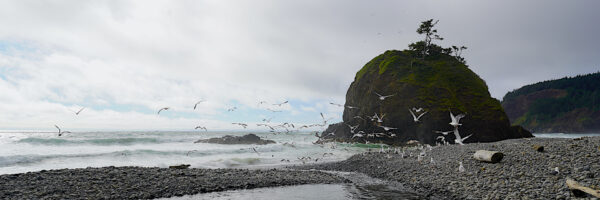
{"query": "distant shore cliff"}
pixel 569 105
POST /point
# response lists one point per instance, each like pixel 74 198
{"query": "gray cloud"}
pixel 152 53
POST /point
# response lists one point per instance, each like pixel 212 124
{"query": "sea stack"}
pixel 439 84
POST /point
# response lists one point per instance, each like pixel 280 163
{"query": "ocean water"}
pixel 33 151
pixel 565 135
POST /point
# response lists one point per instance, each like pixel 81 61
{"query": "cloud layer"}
pixel 123 60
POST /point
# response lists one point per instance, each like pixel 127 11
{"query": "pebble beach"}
pixel 523 173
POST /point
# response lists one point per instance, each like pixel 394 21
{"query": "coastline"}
pixel 523 174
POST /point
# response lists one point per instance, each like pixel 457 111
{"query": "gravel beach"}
pixel 523 173
pixel 147 183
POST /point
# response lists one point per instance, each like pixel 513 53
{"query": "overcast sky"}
pixel 124 60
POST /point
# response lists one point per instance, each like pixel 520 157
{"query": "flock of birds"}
pixel 377 119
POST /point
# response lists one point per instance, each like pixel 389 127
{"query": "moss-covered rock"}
pixel 438 84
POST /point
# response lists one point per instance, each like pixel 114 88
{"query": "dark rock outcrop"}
pixel 228 139
pixel 438 84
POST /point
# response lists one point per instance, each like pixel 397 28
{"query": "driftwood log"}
pixel 580 190
pixel 488 156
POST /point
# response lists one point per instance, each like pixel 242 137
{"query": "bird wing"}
pixel 413 115
pixel 57 128
pixel 458 117
pixel 377 94
pixel 421 115
pixel 77 113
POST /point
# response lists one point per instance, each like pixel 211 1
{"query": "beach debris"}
pixel 538 148
pixel 579 190
pixel 182 166
pixel 488 156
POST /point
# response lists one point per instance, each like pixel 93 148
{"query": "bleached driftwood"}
pixel 580 190
pixel 488 156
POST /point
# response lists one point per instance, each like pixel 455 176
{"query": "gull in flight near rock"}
pixel 416 118
pixel 458 139
pixel 351 107
pixel 196 104
pixel 456 119
pixel 325 120
pixel 382 97
pixel 379 119
pixel 386 128
pixel 201 127
pixel 335 104
pixel 241 124
pixel 417 109
pixel 352 128
pixel 279 104
pixel 359 134
pixel 165 108
pixel 443 132
pixel 60 132
pixel 77 113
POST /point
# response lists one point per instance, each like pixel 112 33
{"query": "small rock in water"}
pixel 183 166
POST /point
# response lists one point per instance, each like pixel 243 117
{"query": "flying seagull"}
pixel 335 104
pixel 325 120
pixel 165 108
pixel 381 97
pixel 443 132
pixel 455 119
pixel 352 128
pixel 386 128
pixel 351 107
pixel 201 127
pixel 241 124
pixel 77 113
pixel 417 109
pixel 202 100
pixel 416 118
pixel 60 132
pixel 379 119
pixel 231 109
pixel 279 104
pixel 458 139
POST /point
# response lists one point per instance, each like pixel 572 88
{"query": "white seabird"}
pixel 416 118
pixel 382 97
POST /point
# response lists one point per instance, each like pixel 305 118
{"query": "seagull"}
pixel 380 134
pixel 352 128
pixel 393 135
pixel 241 124
pixel 231 109
pixel 359 117
pixel 417 109
pixel 379 119
pixel 165 108
pixel 386 128
pixel 266 125
pixel 358 134
pixel 461 168
pixel 201 127
pixel 254 149
pixel 443 132
pixel 324 120
pixel 335 104
pixel 188 153
pixel 458 139
pixel 381 97
pixel 431 161
pixel 279 104
pixel 456 119
pixel 77 113
pixel 196 104
pixel 415 118
pixel 60 132
pixel 351 107
pixel 267 120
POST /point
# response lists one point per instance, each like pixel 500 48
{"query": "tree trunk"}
pixel 580 191
pixel 488 156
